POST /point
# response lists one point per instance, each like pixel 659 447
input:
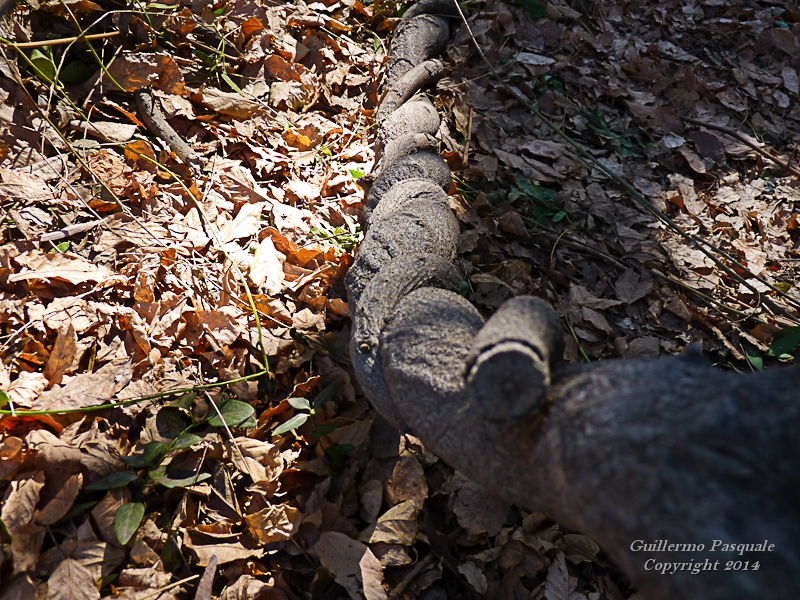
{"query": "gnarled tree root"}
pixel 627 451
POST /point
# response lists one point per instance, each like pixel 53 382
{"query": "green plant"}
pixel 341 239
pixel 539 201
pixel 302 404
pixel 786 344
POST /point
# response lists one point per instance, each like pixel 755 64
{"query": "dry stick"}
pixel 426 562
pixel 745 140
pixel 465 160
pixel 62 41
pixel 701 244
pixel 153 117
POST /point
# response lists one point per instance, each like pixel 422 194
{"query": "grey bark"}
pixel 621 451
pixel 671 449
pixel 415 40
pixel 407 144
pixel 420 165
pixel 423 75
pixel 414 117
pixel 425 226
pixel 508 371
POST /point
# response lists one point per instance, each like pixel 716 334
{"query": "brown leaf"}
pixel 579 548
pixel 19 508
pixel 72 581
pixel 260 460
pixel 225 553
pixel 343 557
pixel 511 223
pixel 276 523
pixel 708 145
pixel 247 587
pixel 474 575
pixel 146 69
pixel 61 503
pixel 229 103
pixel 407 481
pixel 88 389
pixel 630 287
pixel 17 185
pixel 557 586
pixel 24 390
pixel 11 455
pixel 246 223
pixel 266 268
pixel 478 511
pixel 64 267
pixel 398 525
pixel 62 355
pixel 103 514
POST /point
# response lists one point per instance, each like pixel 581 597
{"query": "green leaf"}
pixel 754 359
pixel 784 341
pixel 326 151
pixel 534 9
pixel 76 510
pixel 171 555
pixel 44 65
pixel 356 173
pixel 127 521
pixel 181 478
pixel 171 422
pixel 329 426
pixel 185 440
pixel 4 399
pixel 112 482
pixel 234 413
pixel 184 401
pixel 299 403
pixel 76 71
pixel 152 454
pixel 291 424
pixel 227 79
pixel 325 395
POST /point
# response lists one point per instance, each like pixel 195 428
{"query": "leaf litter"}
pixel 127 274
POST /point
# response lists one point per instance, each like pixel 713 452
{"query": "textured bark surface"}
pixel 407 144
pixel 419 165
pixel 425 226
pixel 625 450
pixel 414 117
pixel 400 90
pixel 671 449
pixel 509 368
pixel 415 40
pixel 399 278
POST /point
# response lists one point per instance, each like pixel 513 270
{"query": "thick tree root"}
pixel 400 277
pixel 420 165
pixel 624 451
pixel 421 76
pixel 509 368
pixel 415 40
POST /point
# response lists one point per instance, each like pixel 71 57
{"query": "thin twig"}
pixel 60 41
pixel 421 565
pixel 745 140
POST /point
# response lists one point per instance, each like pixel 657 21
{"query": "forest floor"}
pixel 649 191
